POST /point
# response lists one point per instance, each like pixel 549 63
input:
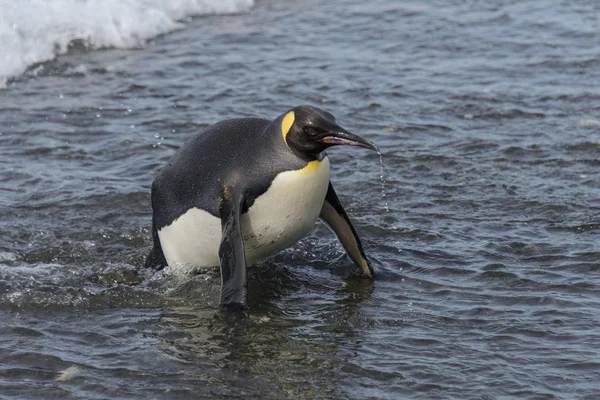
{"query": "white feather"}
pixel 278 218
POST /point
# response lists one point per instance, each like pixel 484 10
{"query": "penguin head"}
pixel 308 131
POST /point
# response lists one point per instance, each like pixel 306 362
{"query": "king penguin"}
pixel 245 189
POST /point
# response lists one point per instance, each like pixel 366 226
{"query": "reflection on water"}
pixel 289 344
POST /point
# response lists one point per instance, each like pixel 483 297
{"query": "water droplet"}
pixel 382 179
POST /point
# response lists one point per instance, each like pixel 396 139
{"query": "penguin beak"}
pixel 342 136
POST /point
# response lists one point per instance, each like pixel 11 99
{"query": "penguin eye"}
pixel 311 131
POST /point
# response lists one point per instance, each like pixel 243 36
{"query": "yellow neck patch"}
pixel 286 124
pixel 311 167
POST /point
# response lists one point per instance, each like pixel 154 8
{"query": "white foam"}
pixel 38 30
pixel 6 256
pixel 588 123
pixel 68 374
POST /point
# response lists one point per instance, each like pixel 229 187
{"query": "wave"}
pixel 35 31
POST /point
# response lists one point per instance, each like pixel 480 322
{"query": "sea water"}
pixel 487 262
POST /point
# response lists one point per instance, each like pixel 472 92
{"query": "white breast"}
pixel 278 218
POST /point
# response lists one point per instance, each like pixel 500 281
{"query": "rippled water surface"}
pixel 486 242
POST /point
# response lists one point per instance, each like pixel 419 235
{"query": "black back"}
pixel 249 152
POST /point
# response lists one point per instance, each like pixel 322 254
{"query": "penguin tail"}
pixel 156 259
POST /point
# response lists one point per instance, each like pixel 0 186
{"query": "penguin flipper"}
pixel 334 216
pixel 234 278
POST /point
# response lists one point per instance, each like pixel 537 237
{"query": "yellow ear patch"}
pixel 286 124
